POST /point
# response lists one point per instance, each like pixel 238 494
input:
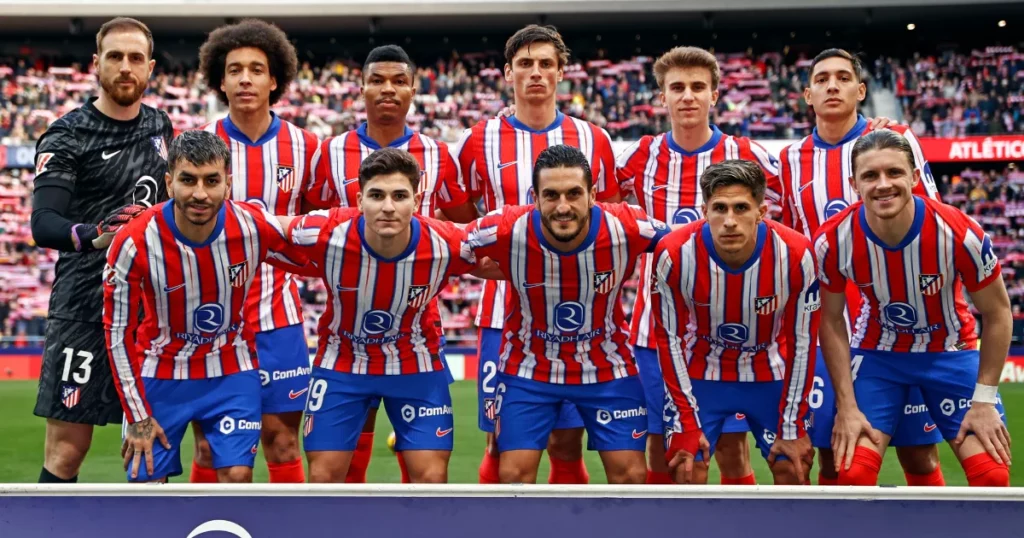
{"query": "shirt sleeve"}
pixel 280 252
pixel 449 191
pixel 485 238
pixel 462 257
pixel 122 293
pixel 775 191
pixel 320 192
pixel 645 232
pixel 629 165
pixel 469 183
pixel 974 259
pixel 605 182
pixel 829 275
pixel 57 158
pixel 800 345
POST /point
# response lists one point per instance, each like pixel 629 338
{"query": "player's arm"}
pixel 775 192
pixel 605 183
pixel 319 192
pixel 280 252
pixel 788 213
pixel 453 202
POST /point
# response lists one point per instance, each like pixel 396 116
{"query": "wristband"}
pixel 984 394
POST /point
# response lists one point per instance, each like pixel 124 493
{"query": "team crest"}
pixel 604 281
pixel 931 284
pixel 70 395
pixel 285 177
pixel 238 274
pixel 489 408
pixel 161 147
pixel 41 161
pixel 308 427
pixel 766 305
pixel 418 296
pixel 109 274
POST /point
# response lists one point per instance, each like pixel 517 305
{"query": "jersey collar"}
pixel 716 137
pixel 852 134
pixel 414 239
pixel 915 228
pixel 372 144
pixel 596 218
pixel 239 136
pixel 514 122
pixel 169 218
pixel 709 243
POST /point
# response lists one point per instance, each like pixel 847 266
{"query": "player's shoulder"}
pixel 793 239
pixel 444 229
pixel 65 125
pixel 802 145
pixel 682 235
pixel 143 220
pixel 951 215
pixel 429 142
pixel 158 114
pixel 307 136
pixel 834 222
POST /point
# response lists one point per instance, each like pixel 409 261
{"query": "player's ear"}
pixel 167 183
pixel 508 73
pixel 418 198
pixel 714 97
pixel 152 66
pixel 916 177
pixel 862 91
pixel 273 83
pixel 227 182
pixel 807 96
pixel 762 210
pixel 359 200
pixel 96 62
pixel 704 210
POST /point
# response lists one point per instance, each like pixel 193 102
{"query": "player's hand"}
pixel 488 269
pixel 850 425
pixel 983 420
pixel 508 111
pixel 139 442
pixel 681 464
pixel 113 222
pixel 799 451
pixel 881 122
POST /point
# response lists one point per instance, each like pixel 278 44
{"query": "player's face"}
pixel 834 90
pixel 388 203
pixel 388 90
pixel 247 80
pixel 884 180
pixel 564 202
pixel 534 73
pixel 123 66
pixel 733 214
pixel 199 191
pixel 688 96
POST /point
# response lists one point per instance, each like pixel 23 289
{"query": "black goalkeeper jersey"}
pixel 105 164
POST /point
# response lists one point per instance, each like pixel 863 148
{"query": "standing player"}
pixel 664 172
pixel 250 65
pixel 190 263
pixel 380 337
pixel 388 89
pixel 496 159
pixel 910 258
pixel 104 158
pixel 815 174
pixel 736 315
pixel 565 337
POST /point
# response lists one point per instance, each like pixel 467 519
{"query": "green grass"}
pixel 21 445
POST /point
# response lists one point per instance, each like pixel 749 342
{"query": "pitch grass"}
pixel 21 445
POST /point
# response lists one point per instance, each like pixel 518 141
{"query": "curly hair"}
pixel 281 56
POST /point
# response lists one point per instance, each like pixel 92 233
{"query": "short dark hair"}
pixel 561 156
pixel 281 56
pixel 386 161
pixel 198 148
pixel 388 53
pixel 123 24
pixel 536 34
pixel 734 172
pixel 881 139
pixel 858 68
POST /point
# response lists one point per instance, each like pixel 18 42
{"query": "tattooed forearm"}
pixel 142 429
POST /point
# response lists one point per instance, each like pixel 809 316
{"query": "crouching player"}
pixel 736 317
pixel 189 262
pixel 380 336
pixel 910 258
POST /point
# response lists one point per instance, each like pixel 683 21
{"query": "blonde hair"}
pixel 686 57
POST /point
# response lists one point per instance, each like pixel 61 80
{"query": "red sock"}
pixel 290 472
pixel 933 478
pixel 403 468
pixel 824 481
pixel 568 472
pixel 360 459
pixel 202 475
pixel 748 480
pixel 864 469
pixel 488 471
pixel 983 471
pixel 654 477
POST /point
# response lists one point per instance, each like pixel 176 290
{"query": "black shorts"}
pixel 75 384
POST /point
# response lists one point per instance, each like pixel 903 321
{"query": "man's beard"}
pixel 121 96
pixel 566 237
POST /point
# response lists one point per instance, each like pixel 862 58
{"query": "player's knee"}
pixel 983 471
pixel 826 465
pixel 514 474
pixel 238 474
pixel 633 474
pixel 863 470
pixel 784 473
pixel 566 445
pixel 65 450
pixel 434 474
pixel 280 444
pixel 918 460
pixel 700 473
pixel 733 456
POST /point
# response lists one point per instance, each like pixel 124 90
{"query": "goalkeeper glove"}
pixel 100 236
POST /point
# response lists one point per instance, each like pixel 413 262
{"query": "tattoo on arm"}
pixel 142 429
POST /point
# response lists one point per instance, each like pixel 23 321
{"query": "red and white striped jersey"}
pixel 273 171
pixel 666 180
pixel 756 323
pixel 816 177
pixel 912 294
pixel 565 322
pixel 496 159
pixel 193 297
pixel 380 317
pixel 335 179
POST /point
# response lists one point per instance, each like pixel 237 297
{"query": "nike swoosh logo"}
pixel 658 188
pixel 804 186
pixel 343 288
pixel 868 285
pixel 350 181
pixel 637 435
pixel 506 165
pixel 292 394
pixel 107 156
pixel 929 427
pixel 532 285
pixel 169 289
pixel 442 433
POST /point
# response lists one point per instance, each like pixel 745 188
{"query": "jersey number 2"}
pixel 84 370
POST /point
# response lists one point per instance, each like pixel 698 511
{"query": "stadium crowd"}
pixel 760 97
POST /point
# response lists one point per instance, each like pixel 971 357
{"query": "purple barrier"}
pixel 500 516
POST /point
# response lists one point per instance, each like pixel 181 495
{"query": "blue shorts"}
pixel 915 427
pixel 488 349
pixel 226 408
pixel 284 369
pixel 720 401
pixel 614 413
pixel 418 405
pixel 884 380
pixel 375 402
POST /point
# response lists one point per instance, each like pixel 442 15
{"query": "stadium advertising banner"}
pixel 17 156
pixel 973 148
